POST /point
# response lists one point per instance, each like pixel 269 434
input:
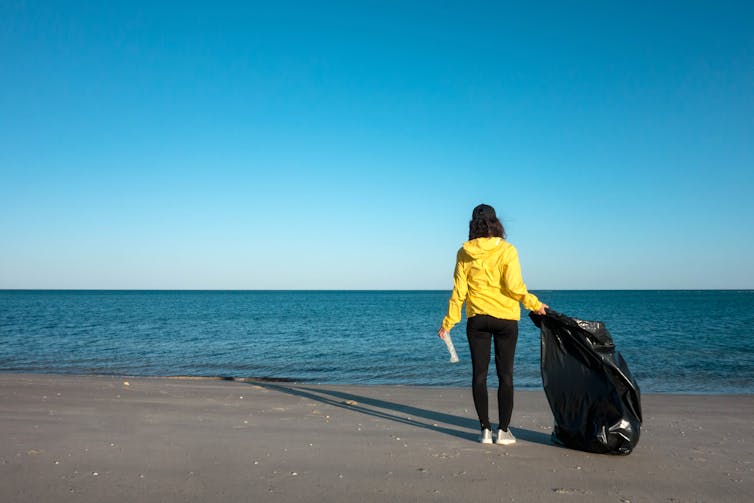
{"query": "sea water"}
pixel 673 341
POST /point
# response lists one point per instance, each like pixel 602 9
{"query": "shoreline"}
pixel 119 438
pixel 303 382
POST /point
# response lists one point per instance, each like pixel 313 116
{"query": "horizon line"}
pixel 358 289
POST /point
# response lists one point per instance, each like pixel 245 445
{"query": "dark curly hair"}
pixel 485 224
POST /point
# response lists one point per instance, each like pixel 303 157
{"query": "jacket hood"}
pixel 481 248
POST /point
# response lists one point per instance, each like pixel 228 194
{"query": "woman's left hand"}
pixel 442 333
pixel 541 310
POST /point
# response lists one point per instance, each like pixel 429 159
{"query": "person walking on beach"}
pixel 488 278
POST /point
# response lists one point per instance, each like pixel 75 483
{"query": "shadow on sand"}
pixel 456 426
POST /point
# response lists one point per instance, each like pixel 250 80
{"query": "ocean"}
pixel 673 341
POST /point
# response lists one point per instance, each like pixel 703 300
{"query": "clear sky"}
pixel 343 145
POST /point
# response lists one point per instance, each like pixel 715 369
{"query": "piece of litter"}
pixel 94 474
pixel 451 349
pixel 126 383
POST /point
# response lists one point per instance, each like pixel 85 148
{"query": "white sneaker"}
pixel 505 438
pixel 486 436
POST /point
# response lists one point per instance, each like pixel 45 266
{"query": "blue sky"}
pixel 342 145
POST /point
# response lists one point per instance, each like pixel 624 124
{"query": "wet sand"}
pixel 102 439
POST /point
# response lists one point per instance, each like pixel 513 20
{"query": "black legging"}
pixel 479 330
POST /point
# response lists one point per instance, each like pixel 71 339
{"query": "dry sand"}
pixel 101 439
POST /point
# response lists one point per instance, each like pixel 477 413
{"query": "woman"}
pixel 488 278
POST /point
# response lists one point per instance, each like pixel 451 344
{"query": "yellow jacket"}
pixel 488 278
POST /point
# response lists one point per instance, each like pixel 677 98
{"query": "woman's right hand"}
pixel 541 310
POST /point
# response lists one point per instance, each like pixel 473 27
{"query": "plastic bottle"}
pixel 451 349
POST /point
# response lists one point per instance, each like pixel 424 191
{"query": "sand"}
pixel 101 439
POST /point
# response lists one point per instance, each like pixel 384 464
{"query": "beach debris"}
pixel 95 474
pixel 141 475
pixel 351 402
pixel 33 452
pixel 126 383
pixel 451 349
pixel 294 474
pixel 340 475
pixel 564 490
pixel 240 397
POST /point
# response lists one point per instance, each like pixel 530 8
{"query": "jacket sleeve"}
pixel 460 288
pixel 513 284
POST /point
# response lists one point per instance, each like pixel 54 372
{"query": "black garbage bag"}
pixel 593 396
